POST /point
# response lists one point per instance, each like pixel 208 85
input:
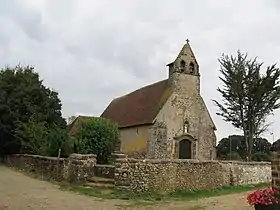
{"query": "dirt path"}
pixel 20 192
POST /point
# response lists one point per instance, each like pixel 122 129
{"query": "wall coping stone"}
pixel 166 161
pixel 82 157
pixel 246 163
pixel 105 166
pixel 39 157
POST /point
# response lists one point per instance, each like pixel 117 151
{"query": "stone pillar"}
pixel 117 155
pixel 80 167
pixel 122 178
pixel 157 143
pixel 275 170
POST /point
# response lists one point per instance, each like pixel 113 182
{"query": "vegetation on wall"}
pixel 97 136
pixel 23 97
pixel 249 96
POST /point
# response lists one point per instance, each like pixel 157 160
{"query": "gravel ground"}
pixel 21 192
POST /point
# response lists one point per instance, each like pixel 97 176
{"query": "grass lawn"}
pixel 152 196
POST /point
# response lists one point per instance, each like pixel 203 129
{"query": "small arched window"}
pixel 182 65
pixel 186 127
pixel 191 68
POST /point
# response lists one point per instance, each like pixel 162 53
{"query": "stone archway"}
pixel 185 149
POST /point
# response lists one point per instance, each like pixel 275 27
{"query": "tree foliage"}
pixel 39 138
pixel 248 95
pixel 235 145
pixel 23 96
pixel 276 146
pixel 97 136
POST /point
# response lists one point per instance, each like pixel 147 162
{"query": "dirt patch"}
pixel 225 202
pixel 19 191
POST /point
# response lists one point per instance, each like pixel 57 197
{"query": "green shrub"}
pixel 97 136
pixel 38 138
pixel 259 156
pixel 234 156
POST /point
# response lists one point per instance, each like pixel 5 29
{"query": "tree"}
pixel 249 97
pixel 22 96
pixel 97 136
pixel 229 145
pixel 235 144
pixel 275 146
pixel 38 138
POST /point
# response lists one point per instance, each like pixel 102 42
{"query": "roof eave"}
pixel 170 64
pixel 135 125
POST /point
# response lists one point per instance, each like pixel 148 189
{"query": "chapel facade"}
pixel 167 119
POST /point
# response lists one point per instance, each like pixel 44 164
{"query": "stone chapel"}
pixel 167 119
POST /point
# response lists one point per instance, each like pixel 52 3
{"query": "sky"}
pixel 92 51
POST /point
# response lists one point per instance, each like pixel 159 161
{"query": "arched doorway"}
pixel 185 149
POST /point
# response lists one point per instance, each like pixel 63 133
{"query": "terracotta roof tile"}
pixel 140 106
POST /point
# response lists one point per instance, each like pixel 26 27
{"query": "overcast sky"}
pixel 93 51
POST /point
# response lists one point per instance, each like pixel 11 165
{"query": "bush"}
pixel 234 156
pixel 97 136
pixel 259 156
pixel 41 139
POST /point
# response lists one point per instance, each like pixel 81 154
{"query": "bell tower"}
pixel 184 69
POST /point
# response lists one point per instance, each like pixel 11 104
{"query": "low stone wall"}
pixel 106 171
pixel 175 175
pixel 49 167
pixel 74 169
pixel 245 173
pixel 275 170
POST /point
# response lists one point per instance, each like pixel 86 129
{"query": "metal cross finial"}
pixel 187 40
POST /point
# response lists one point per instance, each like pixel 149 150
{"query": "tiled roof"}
pixel 140 106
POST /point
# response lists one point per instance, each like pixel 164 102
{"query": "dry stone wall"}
pixel 244 173
pixel 275 170
pixel 74 169
pixel 175 175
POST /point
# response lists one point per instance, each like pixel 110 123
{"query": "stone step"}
pixel 98 185
pixel 100 180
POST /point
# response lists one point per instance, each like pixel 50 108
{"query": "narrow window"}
pixel 136 130
pixel 191 68
pixel 182 65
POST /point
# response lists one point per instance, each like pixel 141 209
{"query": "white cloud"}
pixel 92 51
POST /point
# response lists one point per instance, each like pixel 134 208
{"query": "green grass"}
pixel 191 195
pixel 152 196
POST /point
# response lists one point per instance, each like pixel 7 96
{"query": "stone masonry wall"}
pixel 244 173
pixel 175 175
pixel 74 169
pixel 275 170
pixel 157 143
pixel 106 171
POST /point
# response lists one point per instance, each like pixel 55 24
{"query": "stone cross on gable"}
pixel 187 40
